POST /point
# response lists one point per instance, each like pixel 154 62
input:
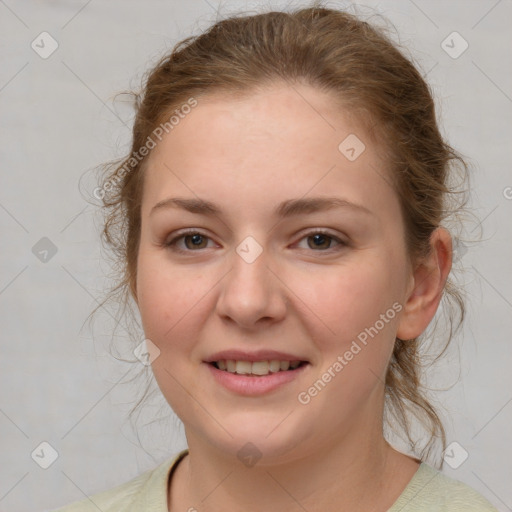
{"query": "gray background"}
pixel 58 381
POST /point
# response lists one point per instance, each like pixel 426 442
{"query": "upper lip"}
pixel 259 355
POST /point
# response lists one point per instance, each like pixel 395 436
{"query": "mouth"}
pixel 257 368
pixel 257 376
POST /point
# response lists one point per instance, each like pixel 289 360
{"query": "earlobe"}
pixel 429 279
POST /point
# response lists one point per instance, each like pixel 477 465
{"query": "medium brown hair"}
pixel 360 67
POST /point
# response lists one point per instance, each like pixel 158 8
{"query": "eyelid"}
pixel 178 235
pixel 304 234
pixel 322 231
pixel 328 233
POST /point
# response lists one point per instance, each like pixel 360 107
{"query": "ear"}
pixel 429 279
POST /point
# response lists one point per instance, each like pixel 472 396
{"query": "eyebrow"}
pixel 287 208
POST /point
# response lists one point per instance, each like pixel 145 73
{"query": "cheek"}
pixel 354 319
pixel 353 328
pixel 168 299
pixel 170 306
pixel 347 300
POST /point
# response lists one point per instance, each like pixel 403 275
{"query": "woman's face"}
pixel 269 273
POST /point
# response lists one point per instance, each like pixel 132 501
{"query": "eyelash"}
pixel 172 243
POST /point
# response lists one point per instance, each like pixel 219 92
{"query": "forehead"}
pixel 279 141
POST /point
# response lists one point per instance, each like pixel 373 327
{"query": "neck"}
pixel 353 475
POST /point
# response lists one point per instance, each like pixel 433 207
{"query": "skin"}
pixel 247 155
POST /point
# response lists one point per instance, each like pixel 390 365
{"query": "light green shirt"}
pixel 428 491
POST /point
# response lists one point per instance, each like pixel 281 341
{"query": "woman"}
pixel 283 205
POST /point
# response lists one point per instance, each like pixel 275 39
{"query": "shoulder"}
pixel 148 492
pixel 432 491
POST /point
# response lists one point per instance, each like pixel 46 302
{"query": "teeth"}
pixel 256 367
pixel 260 367
pixel 243 367
pixel 274 366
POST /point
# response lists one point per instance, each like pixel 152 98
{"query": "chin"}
pixel 265 441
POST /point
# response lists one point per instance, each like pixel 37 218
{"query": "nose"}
pixel 251 293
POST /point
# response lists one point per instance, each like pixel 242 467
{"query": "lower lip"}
pixel 254 385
